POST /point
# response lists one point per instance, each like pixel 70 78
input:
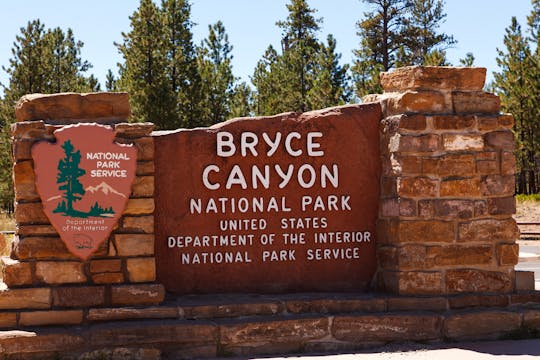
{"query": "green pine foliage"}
pixel 306 75
pixel 397 33
pixel 518 85
pixel 43 61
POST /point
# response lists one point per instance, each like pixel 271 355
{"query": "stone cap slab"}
pixel 70 108
pixel 434 78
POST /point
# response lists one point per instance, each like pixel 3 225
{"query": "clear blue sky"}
pixel 478 25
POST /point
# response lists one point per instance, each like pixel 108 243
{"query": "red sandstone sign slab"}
pixel 278 204
pixel 84 181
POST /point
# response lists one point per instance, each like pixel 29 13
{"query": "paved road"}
pixel 489 350
pixel 529 259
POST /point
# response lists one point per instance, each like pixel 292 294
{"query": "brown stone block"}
pixel 40 248
pixel 489 324
pixel 461 142
pixel 387 257
pixel 105 265
pixel 506 121
pixel 497 185
pixel 407 207
pixel 488 123
pixel 111 314
pixel 502 206
pixel 409 143
pixel 471 301
pixel 30 213
pixel 141 269
pixel 488 230
pixel 8 320
pixel 143 186
pixel 234 310
pixel 412 282
pixel 415 303
pixel 460 187
pixel 503 140
pixel 24 181
pixel 133 130
pixel 453 122
pixel 459 255
pixel 144 168
pixel 21 149
pixel 413 122
pixel 60 272
pixel 388 187
pixel 411 257
pixel 134 244
pixel 508 163
pixel 28 130
pixel 333 306
pixel 449 165
pixel 108 278
pixel 389 207
pixel 52 317
pixel 67 108
pixel 508 254
pixel 462 209
pixel 388 327
pixel 425 231
pixel 139 207
pixel 35 298
pixel 144 224
pixel 409 164
pixel 16 273
pixel 525 298
pixel 82 297
pixel 415 102
pixel 180 335
pixel 433 77
pixel 466 102
pixel 417 187
pixel 524 280
pixel 474 280
pixel 480 208
pixel 18 344
pixel 487 167
pixel 36 230
pixel 145 148
pixel 264 333
pixel 531 319
pixel 144 294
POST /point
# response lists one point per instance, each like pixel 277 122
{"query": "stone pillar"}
pixel 122 271
pixel 445 222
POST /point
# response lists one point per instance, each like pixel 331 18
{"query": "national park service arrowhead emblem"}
pixel 84 181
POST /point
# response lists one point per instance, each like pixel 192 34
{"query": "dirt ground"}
pixel 527 212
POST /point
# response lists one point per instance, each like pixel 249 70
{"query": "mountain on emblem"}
pixel 105 189
pixel 84 180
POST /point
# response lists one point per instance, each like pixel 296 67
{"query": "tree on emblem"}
pixel 68 176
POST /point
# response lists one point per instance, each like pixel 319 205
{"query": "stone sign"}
pixel 277 204
pixel 84 181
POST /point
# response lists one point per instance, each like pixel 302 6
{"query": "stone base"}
pixel 220 326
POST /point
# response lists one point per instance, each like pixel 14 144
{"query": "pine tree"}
pixel 215 67
pixel 300 47
pixel 468 60
pixel 68 177
pixel 424 45
pixel 241 101
pixel 142 73
pixel 330 87
pixel 110 81
pixel 43 61
pixel 513 84
pixel 265 79
pixel 381 39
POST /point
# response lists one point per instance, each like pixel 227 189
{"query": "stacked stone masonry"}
pixel 445 222
pixel 41 274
